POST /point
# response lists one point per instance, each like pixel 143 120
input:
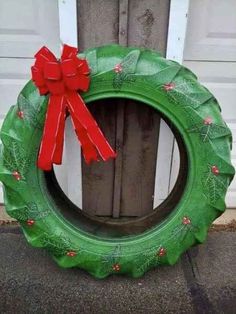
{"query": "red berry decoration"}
pixel 20 114
pixel 16 175
pixel 215 170
pixel 186 221
pixel 207 121
pixel 161 252
pixel 118 68
pixel 169 86
pixel 30 222
pixel 71 253
pixel 116 267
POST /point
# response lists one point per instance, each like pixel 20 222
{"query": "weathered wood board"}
pixel 123 187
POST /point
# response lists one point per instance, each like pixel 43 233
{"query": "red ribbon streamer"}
pixel 62 79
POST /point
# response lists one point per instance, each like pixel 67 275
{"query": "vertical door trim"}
pixel 177 29
pixel 175 50
pixel 70 182
pixel 68 22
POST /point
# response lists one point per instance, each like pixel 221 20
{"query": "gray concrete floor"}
pixel 203 281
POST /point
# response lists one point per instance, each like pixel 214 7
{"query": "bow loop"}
pixel 44 55
pixel 52 71
pixel 69 67
pixel 83 67
pixel 68 52
pixel 37 76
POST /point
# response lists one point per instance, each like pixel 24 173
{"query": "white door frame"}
pixel 69 35
pixel 68 22
pixel 170 157
pixel 177 29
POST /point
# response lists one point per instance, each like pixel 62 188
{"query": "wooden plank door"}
pixel 123 187
pixel 210 52
pixel 25 26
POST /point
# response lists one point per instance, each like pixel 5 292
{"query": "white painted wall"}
pixel 210 52
pixel 25 26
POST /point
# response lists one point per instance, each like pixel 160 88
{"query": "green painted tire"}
pixel 174 91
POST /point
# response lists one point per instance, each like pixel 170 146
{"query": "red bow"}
pixel 62 79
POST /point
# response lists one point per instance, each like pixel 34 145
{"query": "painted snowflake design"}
pixel 184 93
pixel 184 229
pixel 29 110
pixel 59 245
pixel 151 257
pixel 15 159
pixel 29 214
pixel 125 70
pixel 214 184
pixel 208 130
pixel 111 260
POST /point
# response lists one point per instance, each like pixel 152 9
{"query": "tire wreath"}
pixel 173 90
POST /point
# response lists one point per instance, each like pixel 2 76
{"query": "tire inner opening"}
pixel 111 227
